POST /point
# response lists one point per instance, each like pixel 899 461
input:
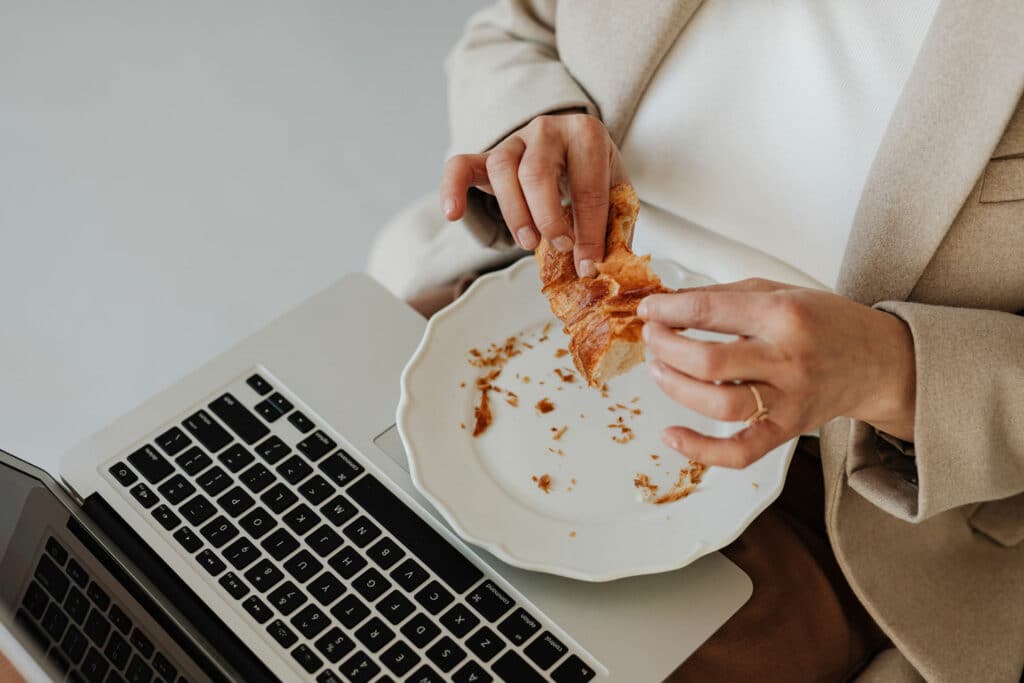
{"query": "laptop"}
pixel 256 522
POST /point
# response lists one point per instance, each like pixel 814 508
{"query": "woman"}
pixel 872 149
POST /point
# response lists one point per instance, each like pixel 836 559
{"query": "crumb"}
pixel 482 413
pixel 582 416
pixel 567 376
pixel 517 375
pixel 604 390
pixel 462 385
pixel 755 484
pixel 611 409
pixel 462 425
pixel 543 482
pixel 625 434
pixel 528 345
pixel 635 399
pixel 561 353
pixel 635 411
pixel 654 456
pixel 643 483
pixel 540 381
pixel 559 433
pixel 558 388
pixel 572 534
pixel 619 405
pixel 561 452
pixel 526 379
pixel 544 406
pixel 573 480
pixel 512 399
pixel 544 332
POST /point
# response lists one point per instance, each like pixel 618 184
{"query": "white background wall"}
pixel 173 175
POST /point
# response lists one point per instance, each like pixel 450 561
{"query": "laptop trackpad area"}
pixel 390 442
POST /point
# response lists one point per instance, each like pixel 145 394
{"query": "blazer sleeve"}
pixel 969 418
pixel 503 72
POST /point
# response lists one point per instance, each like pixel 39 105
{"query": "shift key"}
pixel 207 431
pixel 239 418
pixel 151 464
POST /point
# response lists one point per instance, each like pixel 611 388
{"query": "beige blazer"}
pixel 930 535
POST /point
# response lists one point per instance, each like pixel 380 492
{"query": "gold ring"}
pixel 762 411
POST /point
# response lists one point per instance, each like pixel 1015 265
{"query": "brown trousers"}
pixel 803 622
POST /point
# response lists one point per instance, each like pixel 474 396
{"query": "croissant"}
pixel 599 313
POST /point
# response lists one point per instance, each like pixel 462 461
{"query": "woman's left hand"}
pixel 811 355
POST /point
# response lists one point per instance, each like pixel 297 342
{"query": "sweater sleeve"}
pixel 503 72
pixel 969 416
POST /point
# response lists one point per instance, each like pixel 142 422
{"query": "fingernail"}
pixel 641 311
pixel 655 369
pixel 587 268
pixel 527 237
pixel 449 206
pixel 562 243
pixel 670 440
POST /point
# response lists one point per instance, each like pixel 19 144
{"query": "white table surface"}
pixel 174 175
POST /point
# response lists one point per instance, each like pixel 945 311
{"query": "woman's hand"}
pixel 811 355
pixel 525 172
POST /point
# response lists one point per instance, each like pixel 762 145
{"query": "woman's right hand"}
pixel 526 171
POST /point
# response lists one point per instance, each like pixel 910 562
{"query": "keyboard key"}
pixel 301 519
pixel 371 584
pixel 409 575
pixel 118 650
pixel 303 566
pixel 278 498
pixel 122 474
pixel 545 650
pixel 35 600
pixel 120 620
pixel 306 659
pixel 219 531
pixel 74 645
pixel 572 670
pixel 268 411
pixel 300 422
pixel 490 601
pixel 445 654
pixel 259 385
pixel 52 578
pixel 281 633
pixel 95 667
pixel 310 621
pixel 485 644
pixel 165 517
pixel 198 510
pixel 235 587
pixel 420 630
pixel 77 573
pixel 263 576
pixel 209 561
pixel 287 598
pixel 150 464
pixel 257 478
pixel 54 621
pixel 350 611
pixel 257 523
pixel 173 441
pixel 395 607
pixel 235 457
pixel 359 668
pixel 257 609
pixel 339 510
pixel 415 533
pixel 164 667
pixel 471 673
pixel 97 627
pixel 425 674
pixel 144 495
pixel 347 562
pixel 138 671
pixel 188 540
pixel 324 540
pixel 24 622
pixel 334 645
pixel 56 550
pixel 235 501
pixel 519 627
pixel 385 553
pixel 514 669
pixel 399 658
pixel 362 531
pixel 273 450
pixel 459 620
pixel 239 419
pixel 328 676
pixel 207 432
pixel 316 445
pixel 280 544
pixel 294 469
pixel 241 553
pixel 316 489
pixel 176 489
pixel 214 481
pixel 282 404
pixel 98 596
pixel 434 597
pixel 326 588
pixel 341 468
pixel 194 461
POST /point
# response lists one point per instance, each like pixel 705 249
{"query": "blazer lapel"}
pixel 962 91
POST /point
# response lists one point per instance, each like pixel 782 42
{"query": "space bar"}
pixel 415 534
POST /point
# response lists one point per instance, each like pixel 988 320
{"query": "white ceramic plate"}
pixel 593 524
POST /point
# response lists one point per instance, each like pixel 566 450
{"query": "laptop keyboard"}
pixel 85 635
pixel 341 574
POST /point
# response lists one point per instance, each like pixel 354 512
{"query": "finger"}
pixel 503 173
pixel 754 284
pixel 728 402
pixel 462 172
pixel 589 180
pixel 731 312
pixel 737 451
pixel 706 360
pixel 542 165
